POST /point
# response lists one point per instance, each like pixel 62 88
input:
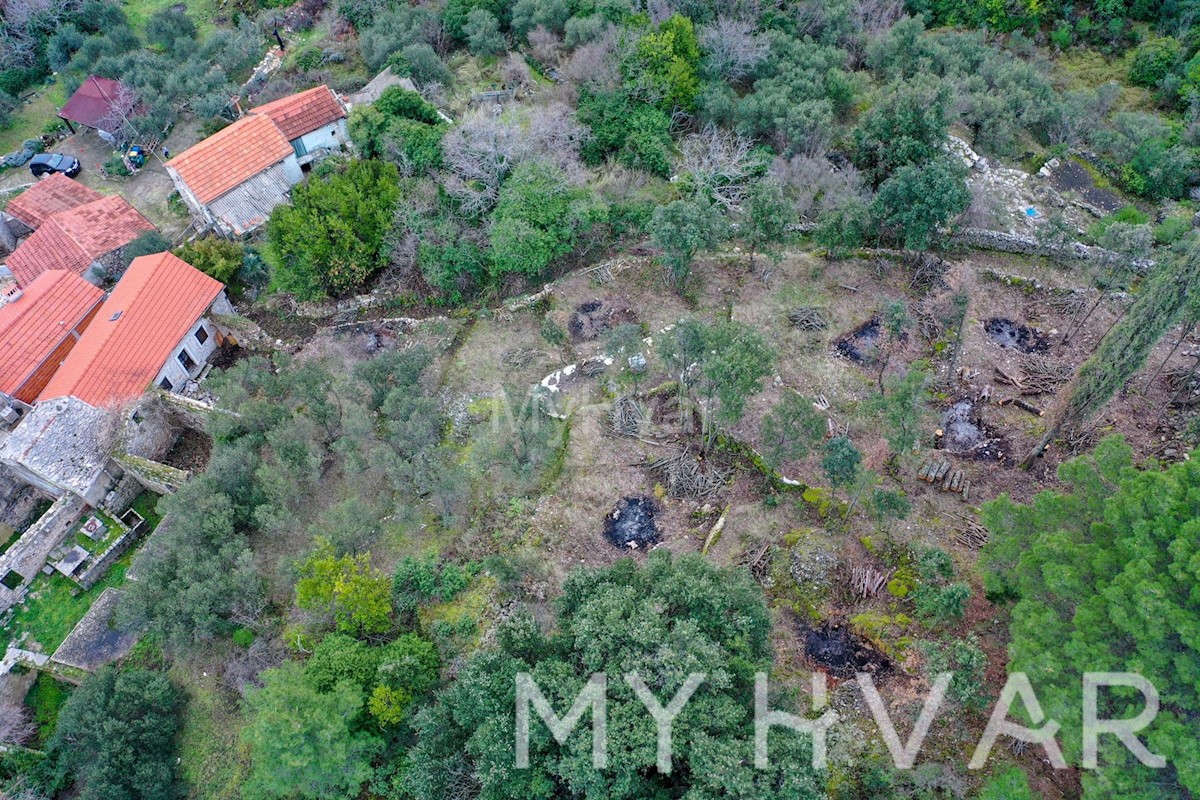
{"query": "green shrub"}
pixel 216 258
pixel 243 637
pixel 114 165
pixel 396 101
pixel 539 217
pixel 420 62
pixel 1171 230
pixel 332 237
pixel 145 244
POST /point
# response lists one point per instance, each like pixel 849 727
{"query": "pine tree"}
pixel 1125 348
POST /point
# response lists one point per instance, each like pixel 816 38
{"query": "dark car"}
pixel 49 163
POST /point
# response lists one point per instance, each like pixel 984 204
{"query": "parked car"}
pixel 49 163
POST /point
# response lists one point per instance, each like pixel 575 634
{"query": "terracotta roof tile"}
pixel 32 326
pixel 303 112
pixel 49 196
pixel 158 299
pixel 73 239
pixel 231 156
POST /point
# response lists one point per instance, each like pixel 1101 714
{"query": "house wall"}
pixel 173 370
pixel 28 391
pixel 247 206
pixel 199 211
pixel 327 137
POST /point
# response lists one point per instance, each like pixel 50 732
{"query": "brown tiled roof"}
pixel 304 112
pixel 73 239
pixel 230 157
pixel 154 305
pixel 35 324
pixel 49 196
pixel 97 103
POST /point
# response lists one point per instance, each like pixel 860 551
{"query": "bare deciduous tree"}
pixel 15 725
pixel 814 185
pixel 515 72
pixel 481 151
pixel 595 65
pixel 116 119
pixel 732 48
pixel 720 162
pixel 24 22
pixel 545 45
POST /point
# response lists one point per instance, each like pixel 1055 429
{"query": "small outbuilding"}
pixel 102 104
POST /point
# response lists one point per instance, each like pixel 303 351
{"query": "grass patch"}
pixel 45 699
pixel 50 611
pixel 201 12
pixel 112 531
pixel 1083 68
pixel 210 759
pixel 8 537
pixel 30 119
pixel 146 504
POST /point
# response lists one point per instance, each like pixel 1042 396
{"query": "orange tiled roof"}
pixel 74 238
pixel 303 112
pixel 32 326
pixel 230 157
pixel 49 196
pixel 156 302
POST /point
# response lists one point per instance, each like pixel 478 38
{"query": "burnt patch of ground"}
pixel 631 525
pixel 963 433
pixel 1072 177
pixel 834 648
pixel 1013 336
pixel 861 345
pixel 191 451
pixel 592 318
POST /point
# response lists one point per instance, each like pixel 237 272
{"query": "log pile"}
pixel 927 272
pixel 867 581
pixel 519 357
pixel 1044 375
pixel 808 318
pixel 626 417
pixel 972 535
pixel 941 472
pixel 685 476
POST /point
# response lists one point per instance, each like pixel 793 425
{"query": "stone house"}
pixel 154 330
pixel 313 121
pixel 232 180
pixel 87 240
pixel 38 329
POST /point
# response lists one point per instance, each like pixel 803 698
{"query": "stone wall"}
pixel 17 500
pixel 117 549
pixel 984 239
pixel 29 554
pixel 123 494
